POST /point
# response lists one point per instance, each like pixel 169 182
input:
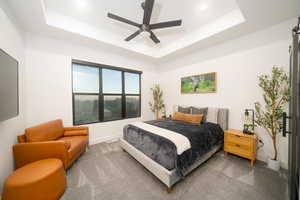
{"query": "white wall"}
pixel 11 42
pixel 238 64
pixel 49 86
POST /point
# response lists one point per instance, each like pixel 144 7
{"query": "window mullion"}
pixel 140 82
pixel 101 97
pixel 123 96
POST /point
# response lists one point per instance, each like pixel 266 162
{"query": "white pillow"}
pixel 212 115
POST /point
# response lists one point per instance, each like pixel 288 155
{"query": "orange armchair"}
pixel 51 140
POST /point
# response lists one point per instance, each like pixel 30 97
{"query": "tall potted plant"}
pixel 158 104
pixel 276 94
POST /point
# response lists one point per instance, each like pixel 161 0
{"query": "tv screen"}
pixel 9 100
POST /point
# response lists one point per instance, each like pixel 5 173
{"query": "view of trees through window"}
pixel 112 107
pixel 132 106
pixel 103 93
pixel 86 109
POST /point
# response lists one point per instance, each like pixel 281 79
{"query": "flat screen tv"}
pixel 9 97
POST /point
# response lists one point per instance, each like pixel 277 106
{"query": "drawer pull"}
pixel 237 145
pixel 238 136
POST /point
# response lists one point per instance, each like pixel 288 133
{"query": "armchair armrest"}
pixel 22 138
pixel 76 131
pixel 26 153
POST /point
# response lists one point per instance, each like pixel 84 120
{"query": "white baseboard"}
pixel 284 165
pixel 106 139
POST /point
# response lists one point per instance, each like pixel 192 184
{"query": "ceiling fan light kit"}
pixel 146 26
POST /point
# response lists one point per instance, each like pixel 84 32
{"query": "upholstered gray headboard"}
pixel 223 116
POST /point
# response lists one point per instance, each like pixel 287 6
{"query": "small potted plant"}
pixel 276 95
pixel 158 104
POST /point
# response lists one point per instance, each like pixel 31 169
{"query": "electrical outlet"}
pixel 260 143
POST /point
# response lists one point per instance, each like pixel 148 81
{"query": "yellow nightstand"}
pixel 238 143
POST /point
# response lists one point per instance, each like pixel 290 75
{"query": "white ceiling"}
pixel 94 13
pixel 87 19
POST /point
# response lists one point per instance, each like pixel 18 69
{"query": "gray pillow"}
pixel 200 111
pixel 186 110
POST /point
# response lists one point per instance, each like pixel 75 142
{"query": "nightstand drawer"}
pixel 236 139
pixel 237 149
pixel 239 146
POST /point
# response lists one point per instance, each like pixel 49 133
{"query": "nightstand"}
pixel 238 143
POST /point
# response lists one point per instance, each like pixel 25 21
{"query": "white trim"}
pixel 104 139
pixel 284 165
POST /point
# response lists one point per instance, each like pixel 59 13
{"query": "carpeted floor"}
pixel 106 172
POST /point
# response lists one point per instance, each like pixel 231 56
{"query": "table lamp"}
pixel 249 121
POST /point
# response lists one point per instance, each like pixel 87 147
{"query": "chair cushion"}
pixel 78 144
pixel 45 132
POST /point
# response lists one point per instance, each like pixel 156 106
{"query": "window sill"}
pixel 100 122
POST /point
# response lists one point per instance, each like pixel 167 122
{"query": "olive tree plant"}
pixel 158 104
pixel 276 93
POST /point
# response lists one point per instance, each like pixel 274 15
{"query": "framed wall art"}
pixel 201 83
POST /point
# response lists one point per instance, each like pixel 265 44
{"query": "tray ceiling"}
pixel 89 19
pixel 204 21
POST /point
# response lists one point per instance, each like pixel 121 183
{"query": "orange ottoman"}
pixel 40 180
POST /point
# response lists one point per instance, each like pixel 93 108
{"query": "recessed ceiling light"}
pixel 203 7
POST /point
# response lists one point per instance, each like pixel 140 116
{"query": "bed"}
pixel 171 149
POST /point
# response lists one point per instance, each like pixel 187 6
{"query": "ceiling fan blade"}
pixel 121 19
pixel 154 38
pixel 166 24
pixel 148 11
pixel 133 35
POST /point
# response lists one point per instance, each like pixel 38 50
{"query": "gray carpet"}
pixel 106 172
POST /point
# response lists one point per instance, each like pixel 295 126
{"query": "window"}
pixel 104 93
pixel 132 91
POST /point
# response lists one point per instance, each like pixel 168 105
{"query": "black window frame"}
pixel 101 94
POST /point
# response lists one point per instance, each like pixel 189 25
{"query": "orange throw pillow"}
pixel 189 118
pixel 178 116
pixel 193 118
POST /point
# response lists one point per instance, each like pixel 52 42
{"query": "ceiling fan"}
pixel 146 26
